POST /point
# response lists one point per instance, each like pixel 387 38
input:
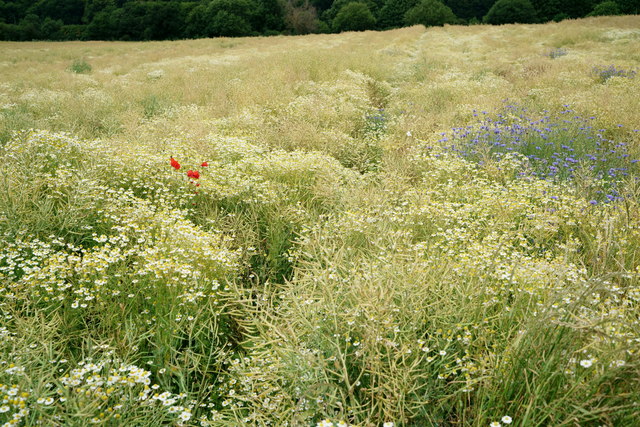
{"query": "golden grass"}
pixel 155 90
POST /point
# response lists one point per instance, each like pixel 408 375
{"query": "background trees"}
pixel 430 13
pixel 510 12
pixel 175 19
pixel 354 16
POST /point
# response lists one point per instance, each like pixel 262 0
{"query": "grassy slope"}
pixel 336 261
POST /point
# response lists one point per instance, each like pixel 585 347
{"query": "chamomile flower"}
pixel 586 363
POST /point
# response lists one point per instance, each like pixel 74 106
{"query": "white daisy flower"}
pixel 586 363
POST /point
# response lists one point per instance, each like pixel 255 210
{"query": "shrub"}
pixel 511 12
pixel 430 13
pixel 354 16
pixel 80 66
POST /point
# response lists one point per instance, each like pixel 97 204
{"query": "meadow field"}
pixel 418 227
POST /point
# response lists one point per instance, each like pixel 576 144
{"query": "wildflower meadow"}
pixel 416 227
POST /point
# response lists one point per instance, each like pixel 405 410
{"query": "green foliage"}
pixel 330 14
pixel 51 29
pixel 560 17
pixel 175 19
pixel 606 8
pixel 228 24
pixel 10 31
pixel 105 25
pixel 80 66
pixel 30 27
pixel 68 11
pixel 196 22
pixel 271 16
pixel 548 10
pixel 228 18
pixel 469 9
pixel 631 7
pixel 12 11
pixel 152 105
pixel 510 12
pixel 392 13
pixel 354 16
pixel 430 13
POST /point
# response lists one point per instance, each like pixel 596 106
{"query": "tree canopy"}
pixel 511 12
pixel 179 19
pixel 430 13
pixel 354 16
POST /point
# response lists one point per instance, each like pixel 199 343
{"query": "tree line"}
pixel 178 19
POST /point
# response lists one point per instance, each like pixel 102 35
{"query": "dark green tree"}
pixel 30 27
pixel 9 31
pixel 631 7
pixel 330 14
pixel 392 13
pixel 354 16
pixel 68 11
pixel 197 21
pixel 430 13
pixel 131 20
pixel 234 18
pixel 13 11
pixel 164 20
pixel 227 18
pixel 321 5
pixel 227 24
pixel 105 24
pixel 51 29
pixel 606 8
pixel 510 12
pixel 470 9
pixel 547 10
pixel 93 7
pixel 270 16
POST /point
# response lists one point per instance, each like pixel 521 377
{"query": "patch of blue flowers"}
pixel 376 123
pixel 563 146
pixel 605 73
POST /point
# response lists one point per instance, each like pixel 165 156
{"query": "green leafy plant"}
pixel 80 66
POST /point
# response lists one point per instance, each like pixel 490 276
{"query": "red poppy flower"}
pixel 193 174
pixel 204 164
pixel 175 164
